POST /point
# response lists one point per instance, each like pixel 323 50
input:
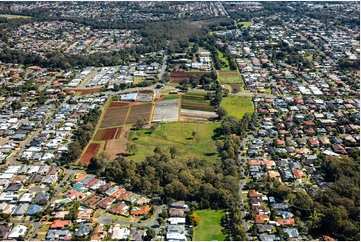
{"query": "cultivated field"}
pixel 90 152
pixel 114 117
pixel 114 104
pixel 106 134
pixel 178 135
pixel 237 106
pixel 136 112
pixel 196 102
pixel 166 111
pixel 177 77
pixel 209 229
pixel 117 146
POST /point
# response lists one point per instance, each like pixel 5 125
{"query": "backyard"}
pixel 209 229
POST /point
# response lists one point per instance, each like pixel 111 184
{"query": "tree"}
pixel 221 112
pixel 133 149
pixel 173 151
pixel 139 124
pixel 194 219
pixel 150 234
pixel 194 134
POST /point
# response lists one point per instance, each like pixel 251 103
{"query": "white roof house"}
pixel 176 221
pixel 19 230
pixel 120 233
pixel 12 169
pixel 176 237
pixel 26 197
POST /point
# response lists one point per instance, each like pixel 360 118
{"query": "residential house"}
pixel 17 231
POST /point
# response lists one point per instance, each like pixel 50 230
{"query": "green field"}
pixel 10 16
pixel 138 79
pixel 171 96
pixel 210 226
pixel 237 106
pixel 246 24
pixel 230 77
pixel 178 135
pixel 195 99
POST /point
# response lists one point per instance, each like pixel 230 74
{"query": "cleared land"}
pixel 230 77
pixel 177 77
pixel 85 91
pixel 237 106
pixel 90 152
pixel 178 135
pixel 117 146
pixel 11 16
pixel 187 115
pixel 166 111
pixel 246 24
pixel 209 229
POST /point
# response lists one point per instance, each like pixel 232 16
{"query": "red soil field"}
pixel 90 152
pixel 177 77
pixel 86 90
pixel 112 133
pixel 118 104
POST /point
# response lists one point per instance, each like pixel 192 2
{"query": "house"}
pixel 279 206
pixel 99 234
pixel 136 235
pixel 140 211
pixel 253 193
pixel 284 214
pixel 75 195
pixel 259 209
pixel 298 173
pixel 176 212
pixel 106 202
pixel 313 142
pixel 180 229
pixel 21 209
pixel 286 221
pixel 83 230
pixel 84 214
pixel 60 224
pixel 269 237
pixel 292 232
pixel 42 198
pixel 261 218
pixel 17 231
pixel 120 233
pixel 59 214
pixel 4 229
pixel 54 234
pixel 338 148
pixel 120 209
pixel 265 228
pixel 175 221
pixel 176 237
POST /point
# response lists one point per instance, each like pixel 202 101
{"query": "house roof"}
pixel 60 224
pixel 287 221
pixel 140 211
pixel 83 230
pixel 261 218
pixel 253 193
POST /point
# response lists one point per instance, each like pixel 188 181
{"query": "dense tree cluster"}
pixel 81 136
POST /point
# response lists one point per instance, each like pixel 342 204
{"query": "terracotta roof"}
pixel 59 224
pixel 274 174
pixel 253 193
pixel 287 221
pixel 72 194
pixel 298 173
pixel 261 218
pixel 79 177
pixel 142 211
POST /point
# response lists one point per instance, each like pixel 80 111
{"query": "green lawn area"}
pixel 138 79
pixel 178 135
pixel 230 77
pixel 237 106
pixel 209 228
pixel 10 16
pixel 196 93
pixel 44 228
pixel 171 96
pixel 224 59
pixel 246 24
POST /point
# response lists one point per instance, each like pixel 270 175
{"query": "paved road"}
pixel 164 67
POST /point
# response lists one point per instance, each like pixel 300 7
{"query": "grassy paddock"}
pixel 230 77
pixel 10 16
pixel 178 135
pixel 210 226
pixel 171 97
pixel 237 106
pixel 246 24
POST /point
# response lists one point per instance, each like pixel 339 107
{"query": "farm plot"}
pixel 114 117
pixel 142 111
pixel 166 111
pixel 196 102
pixel 118 104
pixel 177 77
pixel 107 134
pixel 90 152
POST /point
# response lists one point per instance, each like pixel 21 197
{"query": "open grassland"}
pixel 230 77
pixel 237 106
pixel 209 229
pixel 196 102
pixel 178 135
pixel 171 97
pixel 138 79
pixel 11 16
pixel 246 24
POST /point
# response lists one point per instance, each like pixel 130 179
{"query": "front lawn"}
pixel 209 227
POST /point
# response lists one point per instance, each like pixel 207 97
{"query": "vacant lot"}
pixel 178 135
pixel 209 229
pixel 230 77
pixel 188 115
pixel 84 91
pixel 177 77
pixel 90 152
pixel 237 106
pixel 10 16
pixel 166 111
